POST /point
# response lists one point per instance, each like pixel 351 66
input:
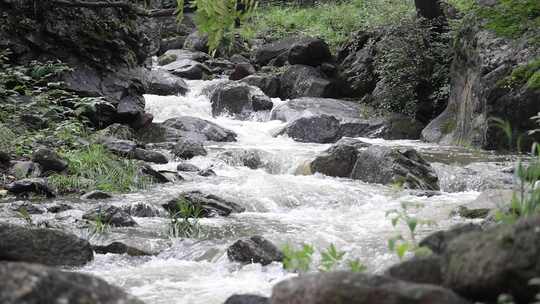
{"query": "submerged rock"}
pixel 96 195
pixel 338 160
pixel 256 249
pixel 197 127
pixel 187 148
pixel 32 283
pixel 238 99
pixel 209 204
pixel 110 215
pixel 383 165
pixel 43 246
pixel 348 287
pixel 142 210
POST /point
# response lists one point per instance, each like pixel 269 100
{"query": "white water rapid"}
pixel 282 206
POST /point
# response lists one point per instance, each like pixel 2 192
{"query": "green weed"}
pixel 184 223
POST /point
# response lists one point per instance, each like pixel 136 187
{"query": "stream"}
pixel 281 204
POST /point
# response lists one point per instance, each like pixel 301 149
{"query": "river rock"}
pixel 384 165
pixel 119 248
pixel 197 127
pixel 187 148
pixel 179 54
pixel 318 129
pixel 265 53
pixel 421 270
pixel 242 70
pixel 96 195
pixel 206 172
pixel 269 84
pixel 43 246
pixel 187 68
pixel 250 158
pixel 303 80
pixel 310 51
pixel 239 99
pixel 149 156
pixel 348 287
pixel 246 299
pixel 27 207
pixel 32 283
pixel 162 82
pixel 210 204
pixel 338 160
pixel 49 160
pixel 4 157
pixel 438 241
pixel 483 265
pixel 110 215
pixel 24 169
pixel 196 41
pixel 142 210
pixel 59 207
pixel 38 186
pixel 256 249
pixel 122 147
pixel 343 110
pixel 160 176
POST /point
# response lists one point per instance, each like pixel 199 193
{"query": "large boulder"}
pixel 339 159
pixel 43 246
pixel 187 148
pixel 110 215
pixel 384 165
pixel 348 287
pixel 49 160
pixel 483 265
pixel 256 249
pixel 242 70
pixel 187 68
pixel 310 51
pixel 239 99
pixel 421 270
pixel 32 283
pixel 269 84
pixel 162 82
pixel 485 83
pixel 200 128
pixel 209 204
pixel 265 53
pixel 318 129
pixel 303 80
pixel 438 241
pixel 38 186
pixel 345 111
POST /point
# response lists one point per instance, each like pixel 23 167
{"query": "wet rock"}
pixel 348 287
pixel 256 249
pixel 43 246
pixel 187 148
pixel 96 195
pixel 187 167
pixel 310 51
pixel 392 126
pixel 142 210
pixel 383 165
pixel 210 204
pixel 197 127
pixel 306 81
pixel 196 41
pixel 189 69
pixel 438 241
pixel 57 208
pixel 160 176
pixel 49 160
pixel 250 158
pixel 120 248
pixel 246 299
pixel 118 131
pixel 343 110
pixel 237 58
pixel 317 129
pixel 239 99
pixel 465 212
pixel 206 173
pixel 421 270
pixel 24 169
pixel 27 207
pixel 161 82
pixel 339 159
pixel 110 215
pixel 30 185
pixel 242 70
pixel 174 55
pixel 32 283
pixel 483 265
pixel 472 177
pixel 120 147
pixel 265 53
pixel 269 84
pixel 149 156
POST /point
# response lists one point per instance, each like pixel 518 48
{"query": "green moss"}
pixel 534 81
pixel 511 18
pixel 528 74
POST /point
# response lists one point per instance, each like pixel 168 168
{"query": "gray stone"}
pixel 255 249
pixel 49 160
pixel 210 204
pixel 110 215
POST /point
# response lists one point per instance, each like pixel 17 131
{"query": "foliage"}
pixel 511 18
pixel 300 260
pixel 411 62
pixel 219 18
pixel 333 22
pixel 184 223
pixel 94 167
pixel 7 137
pixel 526 74
pixel 99 226
pixel 23 214
pixel 402 244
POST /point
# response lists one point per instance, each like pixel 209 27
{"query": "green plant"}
pixel 330 258
pixel 511 18
pixel 401 244
pixel 23 214
pixel 184 223
pixel 219 18
pixel 99 225
pixel 7 137
pixel 298 260
pixel 525 74
pixel 356 266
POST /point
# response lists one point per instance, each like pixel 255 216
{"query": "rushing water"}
pixel 282 205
